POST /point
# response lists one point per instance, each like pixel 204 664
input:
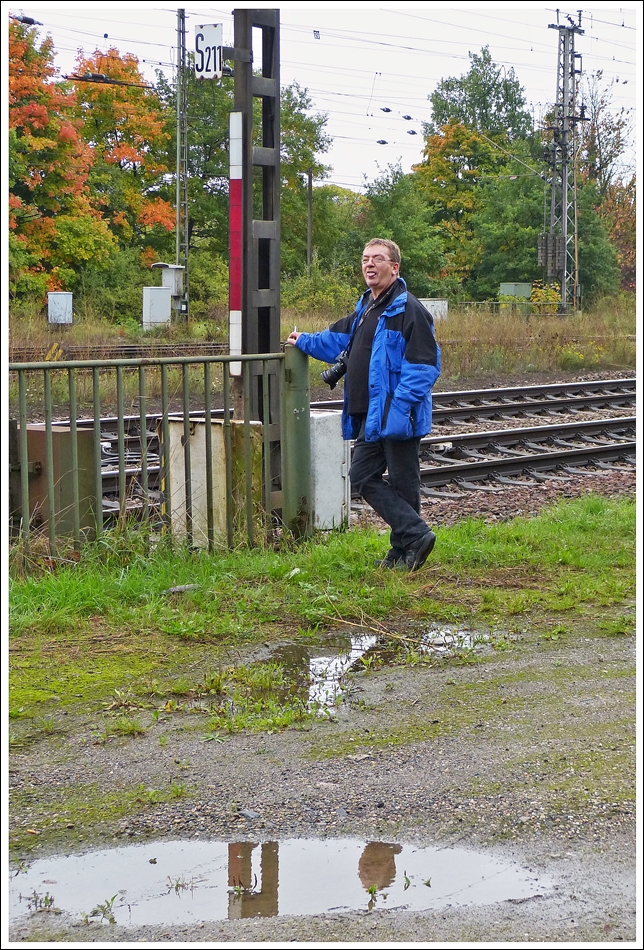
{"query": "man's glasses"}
pixel 376 259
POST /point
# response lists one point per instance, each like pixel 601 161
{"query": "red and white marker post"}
pixel 235 270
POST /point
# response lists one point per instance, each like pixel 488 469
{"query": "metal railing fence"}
pixel 67 447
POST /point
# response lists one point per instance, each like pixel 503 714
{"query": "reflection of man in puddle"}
pixel 377 864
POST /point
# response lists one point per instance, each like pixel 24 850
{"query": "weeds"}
pixel 38 903
pixel 105 911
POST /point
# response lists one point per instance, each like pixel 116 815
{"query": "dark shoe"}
pixel 418 553
pixel 392 561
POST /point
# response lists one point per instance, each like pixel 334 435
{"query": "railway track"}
pixel 538 452
pixel 112 351
pixel 452 408
pixel 463 461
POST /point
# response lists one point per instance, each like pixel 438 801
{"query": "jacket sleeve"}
pixel 327 344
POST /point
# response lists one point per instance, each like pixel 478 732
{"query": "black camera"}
pixel 334 374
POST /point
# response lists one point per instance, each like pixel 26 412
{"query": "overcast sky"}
pixel 367 59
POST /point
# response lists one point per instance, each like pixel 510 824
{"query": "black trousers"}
pixel 396 499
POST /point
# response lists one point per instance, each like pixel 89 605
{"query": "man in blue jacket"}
pixel 391 359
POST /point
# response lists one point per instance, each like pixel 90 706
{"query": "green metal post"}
pixel 24 463
pixel 248 468
pixel 143 426
pixel 228 446
pixel 98 475
pixel 210 512
pixel 73 429
pixel 297 503
pixel 49 461
pixel 120 428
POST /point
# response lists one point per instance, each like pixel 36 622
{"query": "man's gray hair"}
pixel 392 247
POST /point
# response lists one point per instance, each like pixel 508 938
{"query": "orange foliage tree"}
pixel 55 228
pixel 448 178
pixel 126 126
pixel 617 210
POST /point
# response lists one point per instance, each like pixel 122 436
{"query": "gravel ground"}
pixel 530 759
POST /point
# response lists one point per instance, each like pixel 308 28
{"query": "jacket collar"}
pixel 394 306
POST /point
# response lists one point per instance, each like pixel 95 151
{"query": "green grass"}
pixel 106 625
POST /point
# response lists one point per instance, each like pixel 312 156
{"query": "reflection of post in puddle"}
pixel 244 898
pixel 377 865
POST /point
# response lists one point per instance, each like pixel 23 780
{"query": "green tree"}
pixel 506 227
pixel 487 98
pixel 599 273
pixel 397 211
pixel 303 140
pixel 340 231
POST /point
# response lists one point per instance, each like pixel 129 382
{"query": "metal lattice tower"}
pixel 558 249
pixel 182 237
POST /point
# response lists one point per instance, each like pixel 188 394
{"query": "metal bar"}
pixel 73 432
pixel 186 454
pixel 164 450
pixel 228 458
pixel 24 465
pixel 144 484
pixel 296 445
pixel 98 478
pixel 210 514
pixel 146 361
pixel 266 454
pixel 120 428
pixel 49 462
pixel 247 457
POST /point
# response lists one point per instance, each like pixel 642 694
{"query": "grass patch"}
pixel 86 810
pixel 109 624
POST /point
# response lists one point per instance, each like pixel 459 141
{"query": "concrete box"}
pixel 198 482
pixel 330 463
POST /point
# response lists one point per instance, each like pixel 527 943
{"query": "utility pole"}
pixel 558 248
pixel 309 227
pixel 181 227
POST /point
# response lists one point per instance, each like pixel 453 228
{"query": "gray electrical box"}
pixel 515 290
pixel 437 306
pixel 59 307
pixel 157 306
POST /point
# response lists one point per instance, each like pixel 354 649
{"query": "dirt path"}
pixel 524 754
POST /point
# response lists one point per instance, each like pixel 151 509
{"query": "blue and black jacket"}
pixel 404 365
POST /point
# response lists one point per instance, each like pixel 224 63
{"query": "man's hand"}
pixel 292 337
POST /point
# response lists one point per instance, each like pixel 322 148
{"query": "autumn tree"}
pixel 456 161
pixel 605 133
pixel 56 230
pixel 125 124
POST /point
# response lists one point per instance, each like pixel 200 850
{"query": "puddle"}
pixel 183 882
pixel 321 670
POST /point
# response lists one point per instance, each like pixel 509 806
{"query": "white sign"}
pixel 208 52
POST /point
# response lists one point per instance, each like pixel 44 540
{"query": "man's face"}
pixel 378 270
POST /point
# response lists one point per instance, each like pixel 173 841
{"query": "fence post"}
pixel 296 445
